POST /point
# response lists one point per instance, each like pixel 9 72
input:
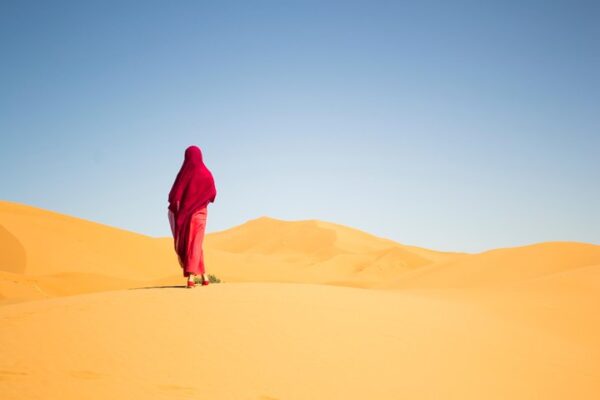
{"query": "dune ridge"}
pixel 46 254
pixel 309 309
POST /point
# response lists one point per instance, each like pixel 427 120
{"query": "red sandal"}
pixel 191 284
pixel 205 283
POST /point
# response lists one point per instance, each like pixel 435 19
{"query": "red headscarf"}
pixel 192 190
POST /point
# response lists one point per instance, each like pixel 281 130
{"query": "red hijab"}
pixel 192 190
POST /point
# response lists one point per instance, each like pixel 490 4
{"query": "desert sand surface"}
pixel 307 310
pixel 289 341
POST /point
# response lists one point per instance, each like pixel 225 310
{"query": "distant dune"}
pixel 267 249
pixel 501 266
pixel 46 254
pixel 307 310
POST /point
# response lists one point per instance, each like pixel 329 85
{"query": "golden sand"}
pixel 308 310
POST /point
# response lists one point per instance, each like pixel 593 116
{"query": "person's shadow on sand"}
pixel 161 287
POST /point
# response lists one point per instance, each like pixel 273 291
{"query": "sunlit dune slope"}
pixel 501 266
pixel 311 251
pixel 46 254
pixel 44 249
pixel 19 287
pixel 291 341
pixel 564 304
pixel 39 242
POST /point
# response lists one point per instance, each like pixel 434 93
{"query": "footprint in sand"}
pixel 178 389
pixel 9 374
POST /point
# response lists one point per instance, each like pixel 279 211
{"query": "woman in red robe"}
pixel 192 190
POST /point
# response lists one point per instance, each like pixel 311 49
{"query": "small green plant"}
pixel 211 278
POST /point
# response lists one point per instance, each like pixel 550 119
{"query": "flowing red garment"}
pixel 192 191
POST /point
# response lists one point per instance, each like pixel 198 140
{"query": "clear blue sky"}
pixel 463 125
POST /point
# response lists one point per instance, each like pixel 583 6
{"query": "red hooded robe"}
pixel 192 190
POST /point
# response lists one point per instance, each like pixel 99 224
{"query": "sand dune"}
pixel 267 249
pixel 47 248
pixel 67 255
pixel 516 323
pixel 46 254
pixel 501 267
pixel 287 341
pixel 40 242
